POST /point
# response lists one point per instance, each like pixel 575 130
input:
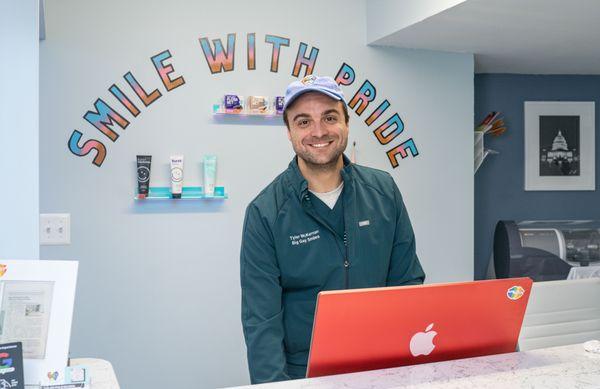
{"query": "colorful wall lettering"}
pixel 220 58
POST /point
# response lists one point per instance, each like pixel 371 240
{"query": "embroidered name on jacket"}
pixel 304 238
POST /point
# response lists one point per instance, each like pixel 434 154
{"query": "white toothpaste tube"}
pixel 176 176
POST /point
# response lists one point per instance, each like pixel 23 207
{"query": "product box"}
pixel 11 366
pixel 279 101
pixel 233 103
pixel 257 104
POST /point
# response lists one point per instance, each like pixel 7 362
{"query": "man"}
pixel 322 224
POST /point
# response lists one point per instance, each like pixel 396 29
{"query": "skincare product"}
pixel 233 103
pixel 257 104
pixel 210 174
pixel 218 106
pixel 143 175
pixel 176 176
pixel 279 100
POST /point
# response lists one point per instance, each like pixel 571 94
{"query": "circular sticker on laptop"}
pixel 515 292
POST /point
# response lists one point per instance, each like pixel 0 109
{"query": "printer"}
pixel 544 250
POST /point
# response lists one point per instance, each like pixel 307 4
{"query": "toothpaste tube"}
pixel 210 174
pixel 176 176
pixel 143 175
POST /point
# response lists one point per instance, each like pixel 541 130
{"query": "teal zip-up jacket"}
pixel 289 255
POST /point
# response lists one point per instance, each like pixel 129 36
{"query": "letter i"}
pixel 251 51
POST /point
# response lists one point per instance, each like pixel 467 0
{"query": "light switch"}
pixel 55 229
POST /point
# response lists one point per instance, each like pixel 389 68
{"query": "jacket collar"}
pixel 299 184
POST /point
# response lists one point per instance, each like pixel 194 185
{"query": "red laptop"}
pixel 366 329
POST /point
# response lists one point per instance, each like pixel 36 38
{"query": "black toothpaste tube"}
pixel 143 175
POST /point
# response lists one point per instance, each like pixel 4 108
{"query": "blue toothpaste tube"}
pixel 210 174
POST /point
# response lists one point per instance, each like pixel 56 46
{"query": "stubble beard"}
pixel 329 165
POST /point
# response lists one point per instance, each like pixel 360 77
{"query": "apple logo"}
pixel 422 342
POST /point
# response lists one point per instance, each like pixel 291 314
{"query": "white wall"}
pixel 19 135
pixel 385 17
pixel 158 288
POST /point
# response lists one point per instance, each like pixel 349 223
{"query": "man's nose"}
pixel 319 130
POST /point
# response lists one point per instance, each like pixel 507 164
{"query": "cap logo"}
pixel 308 80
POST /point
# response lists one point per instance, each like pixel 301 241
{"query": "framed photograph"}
pixel 36 308
pixel 559 145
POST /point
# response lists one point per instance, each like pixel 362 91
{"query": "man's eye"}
pixel 303 123
pixel 330 119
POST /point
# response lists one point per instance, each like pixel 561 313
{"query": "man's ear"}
pixel 289 135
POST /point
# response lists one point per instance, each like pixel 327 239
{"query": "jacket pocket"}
pixel 373 248
pixel 298 321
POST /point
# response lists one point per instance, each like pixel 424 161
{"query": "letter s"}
pixel 87 147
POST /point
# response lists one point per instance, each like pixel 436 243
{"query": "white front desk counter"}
pixel 557 367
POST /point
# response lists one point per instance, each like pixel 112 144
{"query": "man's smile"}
pixel 320 144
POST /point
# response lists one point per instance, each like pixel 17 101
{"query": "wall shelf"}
pixel 479 160
pixel 480 153
pixel 188 193
pixel 492 124
pixel 247 114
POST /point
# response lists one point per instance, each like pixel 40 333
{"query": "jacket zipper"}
pixel 346 263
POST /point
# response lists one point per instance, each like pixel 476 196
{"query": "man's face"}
pixel 317 129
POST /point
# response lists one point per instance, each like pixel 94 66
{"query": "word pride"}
pixel 129 97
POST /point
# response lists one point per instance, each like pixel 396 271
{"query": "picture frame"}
pixel 46 289
pixel 559 145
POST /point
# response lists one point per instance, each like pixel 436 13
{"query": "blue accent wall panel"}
pixel 500 181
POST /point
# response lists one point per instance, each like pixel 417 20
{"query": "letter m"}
pixel 103 117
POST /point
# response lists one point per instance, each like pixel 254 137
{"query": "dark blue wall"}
pixel 499 182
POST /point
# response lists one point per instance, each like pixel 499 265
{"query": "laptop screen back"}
pixel 367 329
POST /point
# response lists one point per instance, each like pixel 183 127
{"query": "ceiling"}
pixel 513 36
